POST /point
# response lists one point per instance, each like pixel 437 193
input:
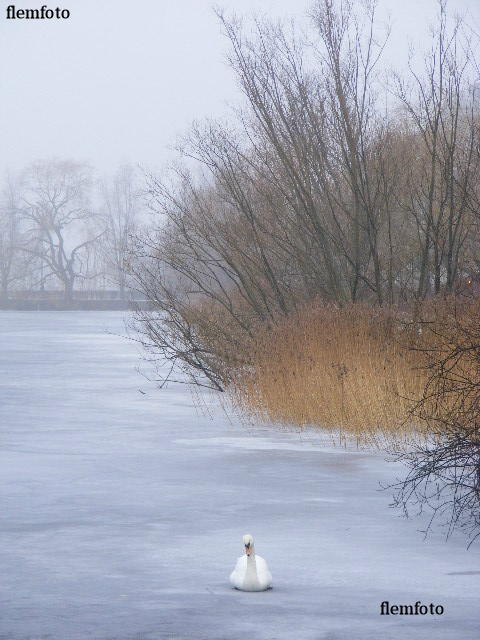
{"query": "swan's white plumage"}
pixel 251 572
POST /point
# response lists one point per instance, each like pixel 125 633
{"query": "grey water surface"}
pixel 123 509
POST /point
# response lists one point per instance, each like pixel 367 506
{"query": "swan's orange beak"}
pixel 248 549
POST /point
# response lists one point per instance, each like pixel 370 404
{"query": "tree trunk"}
pixel 4 291
pixel 68 291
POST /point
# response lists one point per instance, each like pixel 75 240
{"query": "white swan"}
pixel 251 572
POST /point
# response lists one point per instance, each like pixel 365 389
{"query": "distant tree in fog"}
pixel 14 262
pixel 121 207
pixel 56 208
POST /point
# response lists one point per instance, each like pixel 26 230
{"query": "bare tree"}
pixel 14 262
pixel 121 206
pixel 56 206
pixel 444 168
pixel 315 192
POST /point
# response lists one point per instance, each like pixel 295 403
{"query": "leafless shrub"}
pixel 444 468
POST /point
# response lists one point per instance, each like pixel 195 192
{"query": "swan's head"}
pixel 248 544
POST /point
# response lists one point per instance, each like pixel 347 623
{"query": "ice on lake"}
pixel 123 512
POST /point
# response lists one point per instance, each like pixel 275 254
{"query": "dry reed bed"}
pixel 349 369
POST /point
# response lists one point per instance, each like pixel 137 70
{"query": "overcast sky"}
pixel 120 79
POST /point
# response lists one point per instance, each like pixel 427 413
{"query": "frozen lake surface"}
pixel 123 512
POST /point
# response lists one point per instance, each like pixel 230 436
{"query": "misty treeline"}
pixel 63 228
pixel 336 180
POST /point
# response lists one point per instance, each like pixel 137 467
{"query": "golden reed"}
pixel 349 369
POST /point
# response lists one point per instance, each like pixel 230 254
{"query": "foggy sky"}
pixel 121 79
